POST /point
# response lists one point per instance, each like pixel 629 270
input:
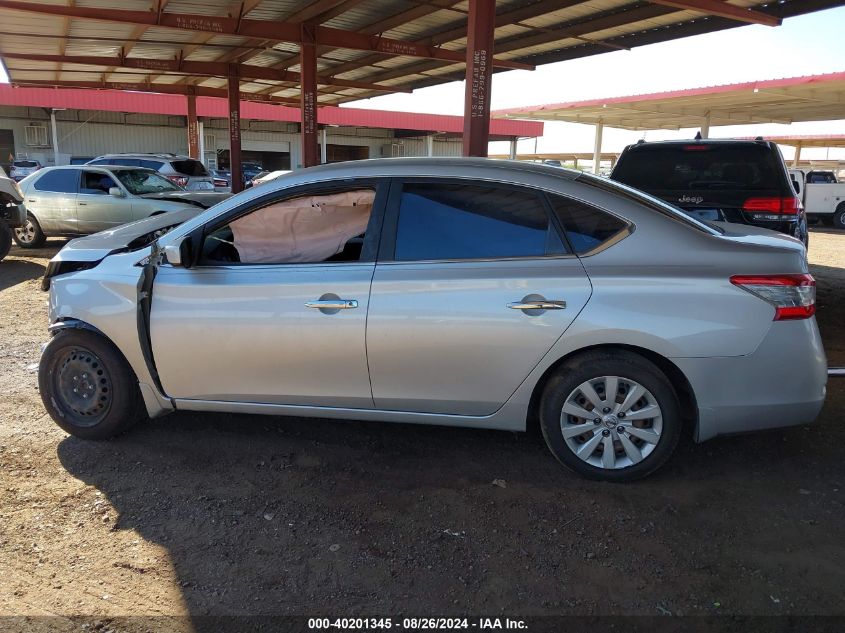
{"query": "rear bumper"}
pixel 782 383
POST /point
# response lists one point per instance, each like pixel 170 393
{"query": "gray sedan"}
pixel 461 292
pixel 78 200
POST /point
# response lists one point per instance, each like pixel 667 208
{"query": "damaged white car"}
pixel 461 292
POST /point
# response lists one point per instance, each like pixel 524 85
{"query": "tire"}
pixel 632 373
pixel 826 220
pixel 839 217
pixel 5 239
pixel 30 234
pixel 77 365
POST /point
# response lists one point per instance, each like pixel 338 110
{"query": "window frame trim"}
pixel 614 239
pixel 390 226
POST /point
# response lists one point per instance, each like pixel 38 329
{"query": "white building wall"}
pixel 89 134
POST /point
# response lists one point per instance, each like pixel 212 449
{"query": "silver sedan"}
pixel 461 292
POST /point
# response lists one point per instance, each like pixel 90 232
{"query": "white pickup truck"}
pixel 822 194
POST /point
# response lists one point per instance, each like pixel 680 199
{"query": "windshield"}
pixel 698 167
pixel 140 181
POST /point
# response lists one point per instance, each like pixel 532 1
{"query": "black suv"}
pixel 723 180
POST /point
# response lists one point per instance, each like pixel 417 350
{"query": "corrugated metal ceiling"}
pixel 529 31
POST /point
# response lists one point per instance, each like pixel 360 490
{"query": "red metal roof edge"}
pixel 176 105
pixel 687 92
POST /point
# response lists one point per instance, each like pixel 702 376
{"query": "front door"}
pixel 275 311
pixel 97 210
pixel 476 288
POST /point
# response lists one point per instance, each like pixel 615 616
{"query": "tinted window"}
pixel 128 162
pixel 25 163
pixel 700 167
pixel 456 221
pixel 155 165
pixel 96 182
pixel 190 167
pixel 58 180
pixel 586 227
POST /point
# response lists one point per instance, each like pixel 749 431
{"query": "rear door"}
pixel 52 199
pixel 473 286
pixel 97 210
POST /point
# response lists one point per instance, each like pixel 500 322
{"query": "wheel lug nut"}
pixel 605 433
pixel 597 421
pixel 621 414
pixel 606 409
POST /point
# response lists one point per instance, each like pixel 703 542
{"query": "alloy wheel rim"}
pixel 611 422
pixel 26 233
pixel 84 386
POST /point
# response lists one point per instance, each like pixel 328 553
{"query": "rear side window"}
pixel 189 167
pixel 457 221
pixel 700 167
pixel 155 165
pixel 586 227
pixel 126 162
pixel 59 181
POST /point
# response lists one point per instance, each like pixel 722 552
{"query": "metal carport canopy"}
pixel 790 100
pixel 333 51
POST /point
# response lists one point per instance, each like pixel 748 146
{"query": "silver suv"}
pixel 184 171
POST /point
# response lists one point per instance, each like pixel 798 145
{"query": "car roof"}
pixel 701 141
pixel 443 166
pixel 108 167
pixel 142 155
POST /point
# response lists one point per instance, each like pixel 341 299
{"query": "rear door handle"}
pixel 82 204
pixel 539 304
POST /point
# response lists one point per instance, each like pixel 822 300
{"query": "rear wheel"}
pixel 5 239
pixel 610 415
pixel 87 386
pixel 30 234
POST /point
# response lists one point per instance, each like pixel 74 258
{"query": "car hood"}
pixel 203 199
pixel 95 247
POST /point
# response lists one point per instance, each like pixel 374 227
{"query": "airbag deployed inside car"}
pixel 305 229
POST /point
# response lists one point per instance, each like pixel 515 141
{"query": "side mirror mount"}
pixel 116 192
pixel 181 253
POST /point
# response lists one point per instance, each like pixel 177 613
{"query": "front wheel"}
pixel 30 235
pixel 839 217
pixel 87 386
pixel 610 416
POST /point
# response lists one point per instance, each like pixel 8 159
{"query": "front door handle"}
pixel 537 304
pixel 333 304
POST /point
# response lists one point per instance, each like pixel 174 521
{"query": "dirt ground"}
pixel 198 514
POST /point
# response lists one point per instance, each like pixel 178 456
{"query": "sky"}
pixel 805 45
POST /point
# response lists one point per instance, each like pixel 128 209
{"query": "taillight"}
pixel 793 296
pixel 182 181
pixel 219 182
pixel 772 208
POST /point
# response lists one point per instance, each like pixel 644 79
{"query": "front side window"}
pixel 467 221
pixel 324 227
pixel 586 227
pixel 95 182
pixel 139 181
pixel 58 181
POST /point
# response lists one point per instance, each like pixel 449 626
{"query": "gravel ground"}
pixel 218 514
